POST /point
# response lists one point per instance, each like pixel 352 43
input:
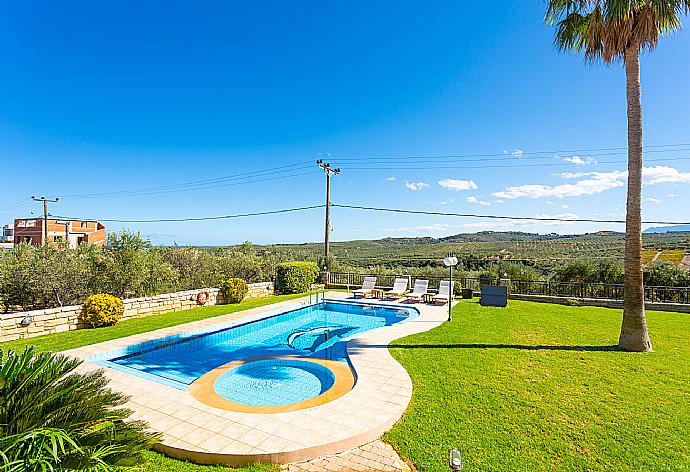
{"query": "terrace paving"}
pixel 198 432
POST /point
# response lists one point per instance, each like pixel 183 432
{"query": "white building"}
pixel 7 234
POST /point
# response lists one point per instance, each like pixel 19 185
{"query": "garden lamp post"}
pixel 450 262
pixel 455 460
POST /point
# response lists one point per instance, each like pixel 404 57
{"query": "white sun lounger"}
pixel 444 291
pixel 399 288
pixel 367 287
pixel 419 290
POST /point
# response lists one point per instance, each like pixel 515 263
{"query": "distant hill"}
pixel 668 229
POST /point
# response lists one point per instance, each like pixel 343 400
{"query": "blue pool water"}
pixel 273 382
pixel 319 330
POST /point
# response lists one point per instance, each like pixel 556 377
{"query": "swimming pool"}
pixel 311 333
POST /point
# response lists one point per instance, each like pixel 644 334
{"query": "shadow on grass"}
pixel 524 347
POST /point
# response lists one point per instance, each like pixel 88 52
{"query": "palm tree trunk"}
pixel 634 335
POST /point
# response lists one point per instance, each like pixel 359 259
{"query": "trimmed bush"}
pixel 102 310
pixel 234 290
pixel 296 277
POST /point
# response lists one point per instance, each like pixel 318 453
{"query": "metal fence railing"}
pixel 524 287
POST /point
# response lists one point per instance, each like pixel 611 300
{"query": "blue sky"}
pixel 103 97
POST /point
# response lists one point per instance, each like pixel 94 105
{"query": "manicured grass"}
pixel 542 387
pixel 160 463
pixel 83 337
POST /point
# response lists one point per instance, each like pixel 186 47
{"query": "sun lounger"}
pixel 367 287
pixel 399 288
pixel 444 291
pixel 419 290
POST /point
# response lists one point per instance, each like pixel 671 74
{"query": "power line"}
pixel 495 166
pixel 141 192
pixel 521 153
pixel 250 177
pixel 193 185
pixel 499 217
pixel 202 218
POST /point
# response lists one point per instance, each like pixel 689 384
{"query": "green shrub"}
pixel 102 310
pixel 572 302
pixel 234 290
pixel 457 288
pixel 53 418
pixel 296 277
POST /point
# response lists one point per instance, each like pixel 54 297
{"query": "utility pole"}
pixel 327 239
pixel 45 214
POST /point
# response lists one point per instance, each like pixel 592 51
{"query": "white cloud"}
pixel 663 175
pixel 673 195
pixel 595 184
pixel 390 179
pixel 653 200
pixel 445 202
pixel 499 201
pixel 476 201
pixel 455 184
pixel 565 206
pixel 579 161
pixel 518 153
pixel 592 183
pixel 416 185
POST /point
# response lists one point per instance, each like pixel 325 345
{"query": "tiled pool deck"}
pixel 195 431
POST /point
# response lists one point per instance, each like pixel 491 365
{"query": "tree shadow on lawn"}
pixel 524 347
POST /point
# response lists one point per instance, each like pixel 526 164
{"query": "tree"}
pixel 52 418
pixel 612 31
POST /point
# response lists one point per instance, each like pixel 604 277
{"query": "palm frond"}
pixel 41 392
pixel 605 29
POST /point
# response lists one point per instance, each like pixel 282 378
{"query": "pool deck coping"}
pixel 198 432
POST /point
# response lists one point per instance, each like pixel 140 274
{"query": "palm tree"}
pixel 52 418
pixel 612 31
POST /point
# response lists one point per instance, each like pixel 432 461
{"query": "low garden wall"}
pixel 659 306
pixel 67 318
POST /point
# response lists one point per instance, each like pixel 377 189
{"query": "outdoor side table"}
pixel 377 293
pixel 428 297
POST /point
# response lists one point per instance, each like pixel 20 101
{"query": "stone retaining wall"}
pixel 66 318
pixel 675 307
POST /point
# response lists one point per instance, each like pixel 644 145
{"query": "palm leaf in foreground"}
pixel 71 420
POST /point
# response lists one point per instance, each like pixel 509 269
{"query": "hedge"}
pixel 296 277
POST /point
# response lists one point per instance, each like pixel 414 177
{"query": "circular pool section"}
pixel 274 382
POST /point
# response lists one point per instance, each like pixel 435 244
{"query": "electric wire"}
pixel 198 218
pixel 251 176
pixel 498 217
pixel 522 154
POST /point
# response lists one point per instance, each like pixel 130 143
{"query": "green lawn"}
pixel 541 387
pixel 83 337
pixel 160 463
pixel 73 339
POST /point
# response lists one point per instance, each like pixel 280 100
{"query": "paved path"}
pixel 373 456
